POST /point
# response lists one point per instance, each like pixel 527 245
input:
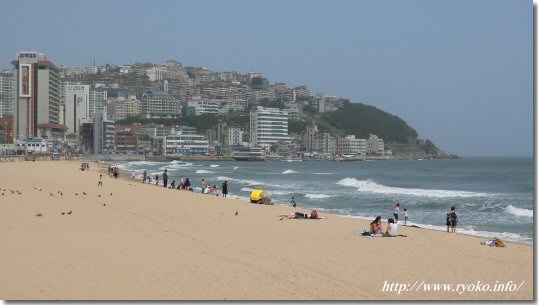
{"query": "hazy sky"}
pixel 459 72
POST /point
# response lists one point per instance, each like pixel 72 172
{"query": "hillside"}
pixel 362 120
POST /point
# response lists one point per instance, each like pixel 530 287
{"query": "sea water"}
pixel 493 196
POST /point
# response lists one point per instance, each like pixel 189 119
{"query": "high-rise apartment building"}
pixel 77 99
pixel 160 104
pixel 97 103
pixel 120 107
pixel 37 97
pixel 7 93
pixel 234 136
pixel 268 125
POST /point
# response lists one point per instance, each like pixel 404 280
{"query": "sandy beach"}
pixel 142 242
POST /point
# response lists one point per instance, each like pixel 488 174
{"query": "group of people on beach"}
pixel 114 171
pixel 185 184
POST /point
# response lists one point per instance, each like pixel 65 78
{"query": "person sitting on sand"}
pixel 375 226
pixel 392 229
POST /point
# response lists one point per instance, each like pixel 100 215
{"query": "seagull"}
pixel 69 213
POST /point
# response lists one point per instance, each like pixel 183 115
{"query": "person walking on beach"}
pixel 145 176
pixel 224 188
pixel 100 183
pixel 293 203
pixel 396 212
pixel 156 179
pixel 405 216
pixel 203 185
pixel 165 178
pixel 453 219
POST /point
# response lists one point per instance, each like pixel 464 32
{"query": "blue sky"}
pixel 460 72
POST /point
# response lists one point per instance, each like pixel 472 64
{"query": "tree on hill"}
pixel 361 120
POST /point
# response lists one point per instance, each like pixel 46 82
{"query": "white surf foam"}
pixel 202 171
pixel 236 167
pixel 289 171
pixel 372 187
pixel 519 211
pixel 318 196
pixel 214 165
pixel 322 173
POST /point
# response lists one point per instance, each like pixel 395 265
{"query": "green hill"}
pixel 362 120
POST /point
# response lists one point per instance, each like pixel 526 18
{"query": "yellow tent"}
pixel 260 196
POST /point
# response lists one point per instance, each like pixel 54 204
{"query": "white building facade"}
pixel 77 99
pixel 268 125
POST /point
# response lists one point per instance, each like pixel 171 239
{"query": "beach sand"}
pixel 145 242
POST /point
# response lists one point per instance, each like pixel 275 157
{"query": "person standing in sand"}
pixel 453 219
pixel 165 178
pixel 145 176
pixel 405 217
pixel 156 179
pixel 203 185
pixel 396 212
pixel 293 203
pixel 100 183
pixel 224 188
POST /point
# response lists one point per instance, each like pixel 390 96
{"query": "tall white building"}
pixel 268 125
pixel 97 104
pixel 37 97
pixel 77 99
pixel 156 73
pixel 7 93
pixel 234 136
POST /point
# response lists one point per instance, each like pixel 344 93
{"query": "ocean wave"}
pixel 372 187
pixel 514 237
pixel 236 167
pixel 246 189
pixel 214 165
pixel 519 211
pixel 318 196
pixel 289 171
pixel 322 173
pixel 203 171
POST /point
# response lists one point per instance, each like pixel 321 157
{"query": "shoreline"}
pixel 129 241
pixel 436 228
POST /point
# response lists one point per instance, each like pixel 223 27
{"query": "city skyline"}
pixel 460 73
